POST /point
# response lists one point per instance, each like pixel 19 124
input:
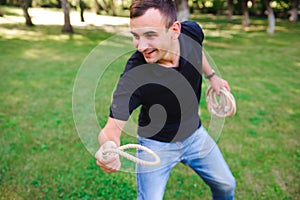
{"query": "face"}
pixel 151 37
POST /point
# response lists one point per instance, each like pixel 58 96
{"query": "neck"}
pixel 171 58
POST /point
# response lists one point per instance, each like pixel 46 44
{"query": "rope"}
pixel 121 152
pixel 224 106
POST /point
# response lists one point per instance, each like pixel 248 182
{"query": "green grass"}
pixel 42 156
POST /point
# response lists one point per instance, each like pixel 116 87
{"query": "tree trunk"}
pixel 230 10
pixel 97 7
pixel 122 4
pixel 246 18
pixel 105 6
pixel 81 15
pixel 183 12
pixel 271 17
pixel 2 3
pixel 82 6
pixel 25 5
pixel 113 7
pixel 294 11
pixel 67 28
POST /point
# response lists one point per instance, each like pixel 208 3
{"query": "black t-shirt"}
pixel 169 97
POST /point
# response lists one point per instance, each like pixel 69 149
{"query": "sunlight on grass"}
pixel 217 33
pixel 15 33
pixel 34 35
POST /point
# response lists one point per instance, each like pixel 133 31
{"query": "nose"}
pixel 142 45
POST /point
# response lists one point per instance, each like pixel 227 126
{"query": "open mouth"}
pixel 149 53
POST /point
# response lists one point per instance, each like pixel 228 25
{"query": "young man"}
pixel 162 73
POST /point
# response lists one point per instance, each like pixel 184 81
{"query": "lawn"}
pixel 43 157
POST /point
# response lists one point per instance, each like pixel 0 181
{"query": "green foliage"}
pixel 47 3
pixel 256 8
pixel 42 156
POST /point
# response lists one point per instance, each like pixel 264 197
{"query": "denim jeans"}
pixel 199 151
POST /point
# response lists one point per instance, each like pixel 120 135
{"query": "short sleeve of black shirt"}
pixel 193 30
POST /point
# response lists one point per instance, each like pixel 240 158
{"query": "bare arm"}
pixel 111 132
pixel 215 81
pixel 206 68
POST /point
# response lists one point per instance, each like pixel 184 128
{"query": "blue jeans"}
pixel 199 151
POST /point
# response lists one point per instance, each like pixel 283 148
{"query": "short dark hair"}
pixel 166 7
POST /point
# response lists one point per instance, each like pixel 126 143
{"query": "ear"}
pixel 175 29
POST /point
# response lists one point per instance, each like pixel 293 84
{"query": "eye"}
pixel 150 35
pixel 135 36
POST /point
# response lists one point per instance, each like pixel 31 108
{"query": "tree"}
pixel 294 11
pixel 271 17
pixel 1 12
pixel 97 7
pixel 218 6
pixel 67 28
pixel 230 10
pixel 109 7
pixel 183 12
pixel 82 6
pixel 246 19
pixel 113 7
pixel 25 5
pixel 105 6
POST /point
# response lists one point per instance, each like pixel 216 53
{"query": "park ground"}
pixel 43 157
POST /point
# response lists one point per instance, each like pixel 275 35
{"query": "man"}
pixel 163 71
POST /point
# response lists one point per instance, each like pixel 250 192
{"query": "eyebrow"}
pixel 133 33
pixel 148 32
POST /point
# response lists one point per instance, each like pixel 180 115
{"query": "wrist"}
pixel 209 76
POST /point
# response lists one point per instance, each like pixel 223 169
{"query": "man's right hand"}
pixel 109 162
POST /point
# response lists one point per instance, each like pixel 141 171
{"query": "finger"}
pixel 226 85
pixel 112 166
pixel 109 159
pixel 217 90
pixel 105 163
pixel 108 170
pixel 116 165
pixel 105 168
pixel 100 164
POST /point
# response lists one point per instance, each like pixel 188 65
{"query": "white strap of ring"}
pixel 121 152
pixel 225 107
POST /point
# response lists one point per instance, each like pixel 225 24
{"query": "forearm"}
pixel 206 68
pixel 215 81
pixel 111 131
